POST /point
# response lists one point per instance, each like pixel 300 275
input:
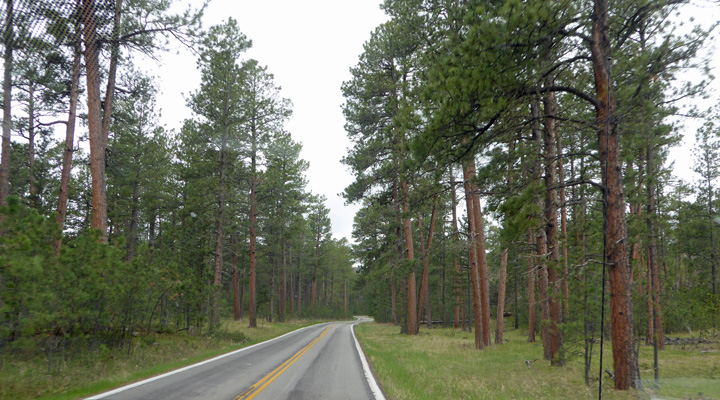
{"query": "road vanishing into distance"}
pixel 322 361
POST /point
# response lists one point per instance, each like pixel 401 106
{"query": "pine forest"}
pixel 511 166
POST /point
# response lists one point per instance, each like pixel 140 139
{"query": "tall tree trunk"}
pixel 97 141
pixel 481 258
pixel 425 250
pixel 253 218
pixel 501 297
pixel 400 252
pixel 468 173
pixel 69 141
pixel 112 72
pixel 237 305
pixel 410 256
pixel 531 290
pixel 625 361
pixel 219 234
pixel 7 104
pixel 654 281
pixel 551 229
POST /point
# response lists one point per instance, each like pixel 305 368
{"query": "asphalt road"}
pixel 318 362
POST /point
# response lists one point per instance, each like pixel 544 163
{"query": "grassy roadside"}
pixel 442 364
pixel 153 354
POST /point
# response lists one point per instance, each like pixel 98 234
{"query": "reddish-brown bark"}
pixel 624 359
pixel 97 142
pixel 551 230
pixel 481 257
pixel 472 247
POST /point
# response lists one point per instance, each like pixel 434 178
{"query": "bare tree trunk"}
pixel 481 258
pixel 625 361
pixel 345 296
pixel 112 72
pixel 219 234
pixel 69 141
pixel 97 141
pixel 410 256
pixel 425 249
pixel 543 295
pixel 399 247
pixel 654 279
pixel 551 230
pixel 252 309
pixel 474 277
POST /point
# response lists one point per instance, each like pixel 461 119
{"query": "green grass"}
pixel 443 364
pixel 26 376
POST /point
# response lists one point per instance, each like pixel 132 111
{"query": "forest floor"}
pixel 442 363
pixel 30 373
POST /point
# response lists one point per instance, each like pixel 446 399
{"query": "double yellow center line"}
pixel 260 385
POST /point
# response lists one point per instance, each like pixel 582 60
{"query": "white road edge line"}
pixel 366 368
pixel 177 371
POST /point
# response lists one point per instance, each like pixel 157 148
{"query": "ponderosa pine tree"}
pixel 264 113
pixel 219 101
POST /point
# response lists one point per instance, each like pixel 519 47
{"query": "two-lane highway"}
pixel 318 362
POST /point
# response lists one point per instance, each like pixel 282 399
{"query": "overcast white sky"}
pixel 309 46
